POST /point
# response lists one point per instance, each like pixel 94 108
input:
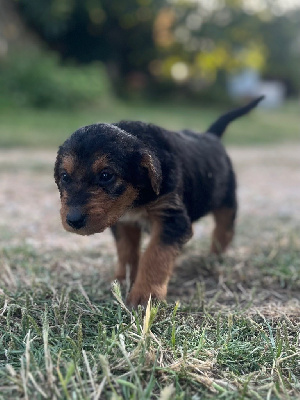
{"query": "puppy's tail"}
pixel 219 126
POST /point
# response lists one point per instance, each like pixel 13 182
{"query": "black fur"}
pixel 194 168
pixel 219 126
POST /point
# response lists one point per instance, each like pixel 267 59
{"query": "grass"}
pixel 63 336
pixel 43 128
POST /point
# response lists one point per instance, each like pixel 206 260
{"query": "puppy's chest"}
pixel 139 217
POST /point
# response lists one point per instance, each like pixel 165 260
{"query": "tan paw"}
pixel 121 278
pixel 140 296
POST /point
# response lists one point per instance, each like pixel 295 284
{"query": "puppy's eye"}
pixel 106 176
pixel 65 178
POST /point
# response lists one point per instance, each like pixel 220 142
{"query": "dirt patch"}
pixel 268 179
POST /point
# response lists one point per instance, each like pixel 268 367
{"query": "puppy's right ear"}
pixel 152 164
pixel 56 169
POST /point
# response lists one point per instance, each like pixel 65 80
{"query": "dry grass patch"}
pixel 234 335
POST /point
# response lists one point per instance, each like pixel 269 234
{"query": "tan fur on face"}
pixel 99 164
pixel 64 211
pixel 68 163
pixel 102 211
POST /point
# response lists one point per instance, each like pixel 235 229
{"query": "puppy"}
pixel 132 176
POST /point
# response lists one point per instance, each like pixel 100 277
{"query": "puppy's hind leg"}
pixel 127 237
pixel 224 229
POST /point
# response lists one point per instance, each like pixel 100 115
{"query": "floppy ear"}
pixel 56 171
pixel 56 168
pixel 150 161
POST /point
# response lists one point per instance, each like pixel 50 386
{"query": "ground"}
pixel 269 207
pixel 259 276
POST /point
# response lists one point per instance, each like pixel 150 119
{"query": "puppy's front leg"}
pixel 154 270
pixel 127 237
pixel 156 265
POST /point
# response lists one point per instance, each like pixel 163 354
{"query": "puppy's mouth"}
pixel 86 228
pixel 82 224
pixel 85 231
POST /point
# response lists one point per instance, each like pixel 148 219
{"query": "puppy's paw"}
pixel 140 295
pixel 120 277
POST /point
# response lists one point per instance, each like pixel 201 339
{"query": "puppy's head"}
pixel 100 172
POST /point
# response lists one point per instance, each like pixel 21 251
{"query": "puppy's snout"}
pixel 76 219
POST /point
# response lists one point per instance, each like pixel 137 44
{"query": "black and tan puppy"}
pixel 132 176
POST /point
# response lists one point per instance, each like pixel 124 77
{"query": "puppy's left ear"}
pixel 151 162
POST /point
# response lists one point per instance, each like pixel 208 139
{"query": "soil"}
pixel 268 188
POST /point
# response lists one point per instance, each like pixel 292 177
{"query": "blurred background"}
pixel 179 63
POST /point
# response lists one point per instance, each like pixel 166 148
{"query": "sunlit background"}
pixel 179 64
pixel 63 54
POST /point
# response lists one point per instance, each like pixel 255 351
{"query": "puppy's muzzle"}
pixel 76 219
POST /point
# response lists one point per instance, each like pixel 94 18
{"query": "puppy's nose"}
pixel 76 219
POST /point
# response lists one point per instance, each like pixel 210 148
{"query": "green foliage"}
pixel 283 54
pixel 38 79
pixel 171 48
pixel 116 32
pixel 226 37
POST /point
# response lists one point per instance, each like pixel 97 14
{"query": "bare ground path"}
pixel 269 198
pixel 268 179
